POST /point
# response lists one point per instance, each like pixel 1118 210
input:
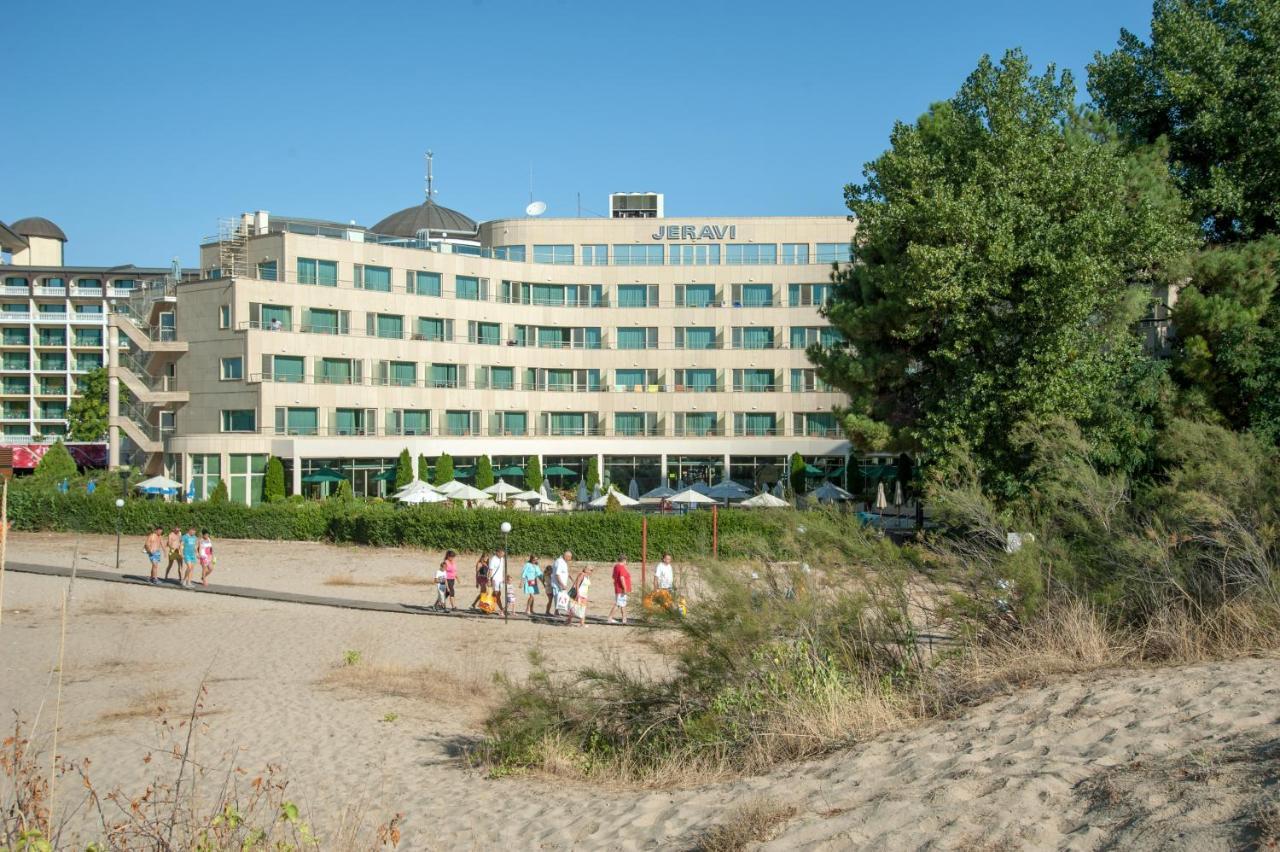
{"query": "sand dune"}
pixel 1174 758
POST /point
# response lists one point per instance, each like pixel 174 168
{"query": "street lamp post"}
pixel 119 518
pixel 506 574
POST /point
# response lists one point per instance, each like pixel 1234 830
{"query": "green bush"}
pixel 56 464
pixel 596 536
pixel 219 494
pixel 797 473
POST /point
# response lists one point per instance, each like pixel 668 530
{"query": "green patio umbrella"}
pixel 513 470
pixel 324 474
pixel 810 470
pixel 388 475
pixel 557 470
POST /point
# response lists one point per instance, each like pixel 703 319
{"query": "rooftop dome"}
pixel 38 226
pixel 426 217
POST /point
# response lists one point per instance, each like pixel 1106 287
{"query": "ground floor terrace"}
pixel 369 466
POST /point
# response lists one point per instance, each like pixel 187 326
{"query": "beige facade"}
pixel 328 345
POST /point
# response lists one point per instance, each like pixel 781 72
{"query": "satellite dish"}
pixel 537 208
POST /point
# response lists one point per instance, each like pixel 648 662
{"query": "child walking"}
pixel 204 552
pixel 531 575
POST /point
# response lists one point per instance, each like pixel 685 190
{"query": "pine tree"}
pixel 593 474
pixel 484 473
pixel 56 464
pixel 219 494
pixel 404 469
pixel 424 468
pixel 797 473
pixel 533 474
pixel 344 493
pixel 273 485
pixel 444 469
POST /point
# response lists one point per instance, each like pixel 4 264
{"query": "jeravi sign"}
pixel 693 232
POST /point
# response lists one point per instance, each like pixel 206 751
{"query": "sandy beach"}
pixel 1162 758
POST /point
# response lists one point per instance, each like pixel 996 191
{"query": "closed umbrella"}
pixel 595 492
pixel 582 491
pixel 603 500
pixel 881 503
pixel 633 490
pixel 778 490
pixel 897 493
pixel 546 492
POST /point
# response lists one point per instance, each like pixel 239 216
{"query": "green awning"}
pixel 810 470
pixel 514 470
pixel 324 474
pixel 388 475
pixel 557 470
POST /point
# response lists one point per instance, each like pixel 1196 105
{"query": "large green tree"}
pixel 1207 82
pixel 484 473
pixel 273 487
pixel 55 465
pixel 1006 246
pixel 533 474
pixel 87 413
pixel 444 469
pixel 404 469
pixel 1206 86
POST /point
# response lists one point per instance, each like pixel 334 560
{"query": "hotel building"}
pixel 53 326
pixel 668 348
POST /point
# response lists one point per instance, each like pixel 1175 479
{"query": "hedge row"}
pixel 591 535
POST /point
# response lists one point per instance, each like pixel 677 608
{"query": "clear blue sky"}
pixel 136 126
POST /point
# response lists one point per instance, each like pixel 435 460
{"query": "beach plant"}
pixel 351 658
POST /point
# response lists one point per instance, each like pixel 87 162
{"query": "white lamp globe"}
pixel 119 503
pixel 506 527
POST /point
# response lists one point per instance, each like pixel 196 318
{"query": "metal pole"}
pixel 715 531
pixel 644 551
pixel 506 582
pixel 118 514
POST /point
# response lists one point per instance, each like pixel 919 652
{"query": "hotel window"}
pixel 326 321
pixel 17 361
pixel 447 376
pixel 497 378
pixel 17 337
pixel 462 422
pixel 435 328
pixel 700 380
pixel 267 270
pixel 595 255
pixel 484 333
pixel 86 361
pixel 804 295
pixel 20 308
pixel 355 421
pixel 297 421
pixel 627 254
pixel 695 295
pixel 54 309
pixel 390 326
pixel 694 254
pixel 695 337
pixel 753 381
pixel 373 278
pixel 52 361
pixel 795 253
pixel 248 473
pixel 423 283
pixel 637 295
pixel 835 252
pixel 284 368
pixel 555 337
pixel 322 272
pixel 224 316
pixel 753 423
pixel 206 473
pixel 50 385
pixel 400 374
pixel 471 288
pixel 231 369
pixel 804 336
pixel 806 380
pixel 508 253
pixel 752 295
pixel 52 410
pixel 696 424
pixel 84 310
pixel 638 338
pixel 752 337
pixel 14 410
pixel 89 283
pixel 88 337
pixel 818 424
pixel 560 254
pixel 509 423
pixel 51 337
pixel 744 254
pixel 17 385
pixel 124 284
pixel 270 317
pixel 633 423
pixel 570 423
pixel 408 421
pixel 55 283
pixel 339 371
pixel 238 420
pixel 14 281
pixel 635 378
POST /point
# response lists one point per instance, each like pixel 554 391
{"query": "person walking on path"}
pixel 621 588
pixel 560 579
pixel 442 589
pixel 174 545
pixel 204 552
pixel 450 568
pixel 497 575
pixel 547 572
pixel 154 548
pixel 482 578
pixel 580 592
pixel 530 577
pixel 190 543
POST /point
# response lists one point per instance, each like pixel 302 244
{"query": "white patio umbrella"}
pixel 466 492
pixel 531 497
pixel 691 497
pixel 159 485
pixel 451 486
pixel 501 490
pixel 422 495
pixel 603 500
pixel 412 487
pixel 764 500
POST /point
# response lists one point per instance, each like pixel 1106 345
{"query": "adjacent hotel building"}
pixel 668 348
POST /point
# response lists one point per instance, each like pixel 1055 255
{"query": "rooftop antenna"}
pixel 430 180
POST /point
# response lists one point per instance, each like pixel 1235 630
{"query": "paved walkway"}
pixel 284 597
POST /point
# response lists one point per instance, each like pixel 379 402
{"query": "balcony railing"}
pixel 547 385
